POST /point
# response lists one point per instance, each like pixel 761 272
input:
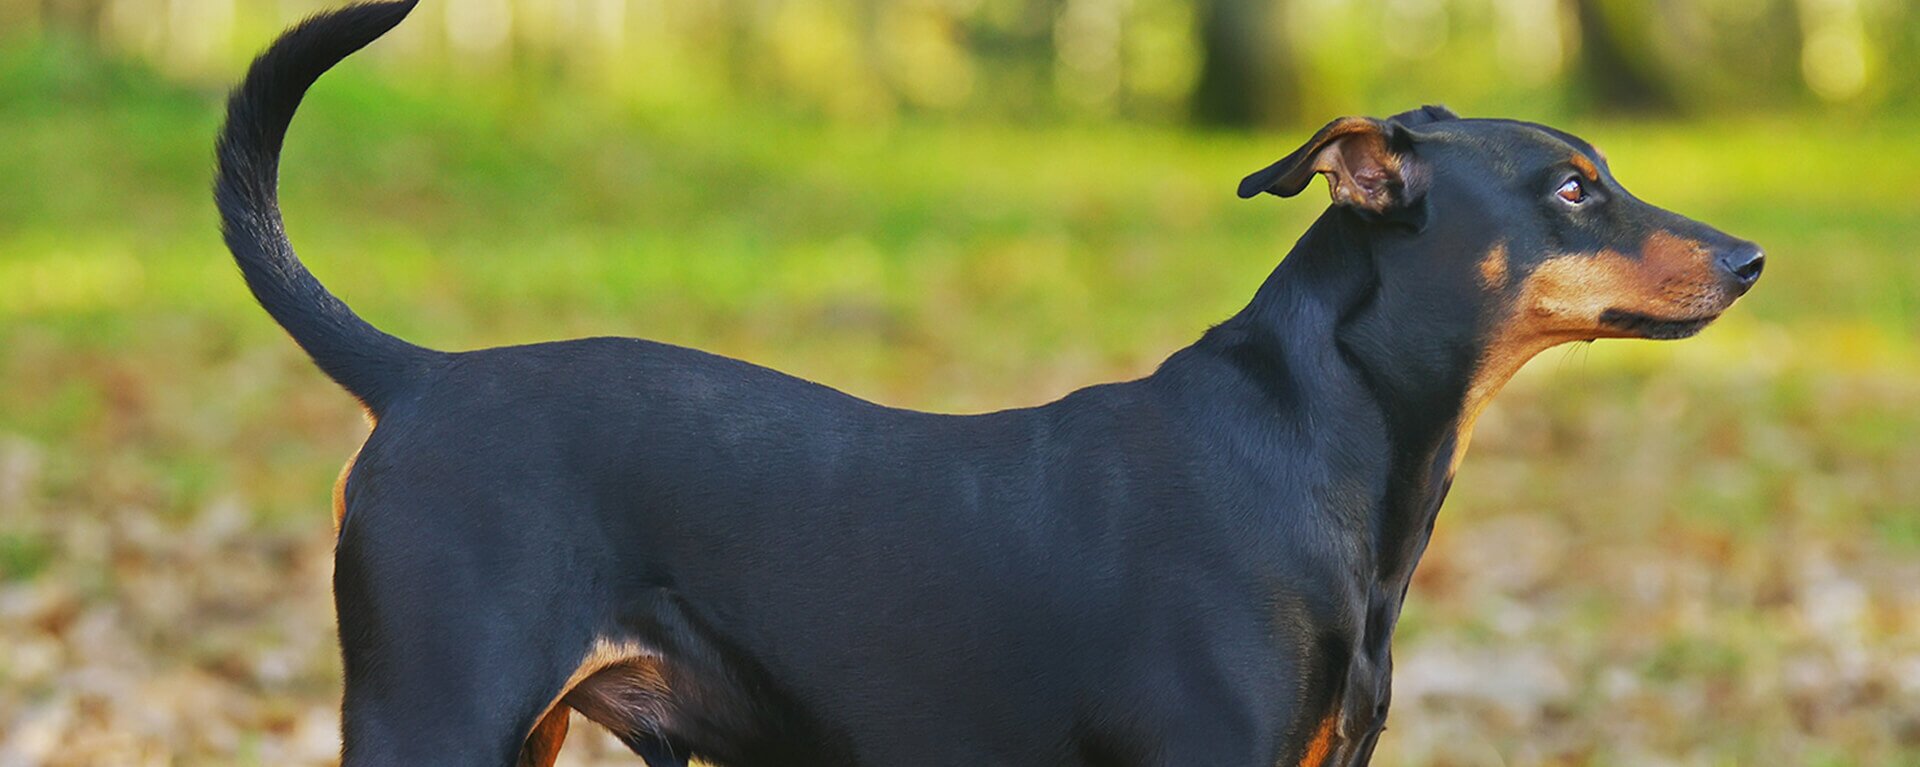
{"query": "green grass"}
pixel 1696 499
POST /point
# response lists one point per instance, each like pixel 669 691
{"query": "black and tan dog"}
pixel 720 562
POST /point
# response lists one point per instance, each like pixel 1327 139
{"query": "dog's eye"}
pixel 1572 192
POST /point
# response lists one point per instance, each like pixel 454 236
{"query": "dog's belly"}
pixel 1142 717
pixel 927 675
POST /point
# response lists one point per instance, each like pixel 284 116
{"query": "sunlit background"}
pixel 1693 553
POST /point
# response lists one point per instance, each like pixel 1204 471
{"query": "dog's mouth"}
pixel 1657 328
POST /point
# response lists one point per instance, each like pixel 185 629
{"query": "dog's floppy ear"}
pixel 1366 162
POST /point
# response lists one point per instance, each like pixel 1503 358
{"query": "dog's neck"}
pixel 1376 376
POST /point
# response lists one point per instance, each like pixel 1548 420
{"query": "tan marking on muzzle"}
pixel 1668 252
pixel 1564 296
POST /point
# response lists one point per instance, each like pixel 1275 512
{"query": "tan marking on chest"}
pixel 1321 746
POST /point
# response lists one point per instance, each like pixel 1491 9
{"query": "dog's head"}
pixel 1523 220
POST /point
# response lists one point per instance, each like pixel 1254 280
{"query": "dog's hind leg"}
pixel 656 754
pixel 457 643
pixel 437 694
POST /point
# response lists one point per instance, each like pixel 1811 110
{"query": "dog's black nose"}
pixel 1742 263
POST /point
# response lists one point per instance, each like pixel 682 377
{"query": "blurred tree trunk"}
pixel 1615 74
pixel 1247 71
pixel 1779 37
pixel 741 49
pixel 81 17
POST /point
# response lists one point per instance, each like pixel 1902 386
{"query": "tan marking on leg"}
pixel 340 490
pixel 606 654
pixel 542 747
pixel 603 655
pixel 340 482
pixel 1321 746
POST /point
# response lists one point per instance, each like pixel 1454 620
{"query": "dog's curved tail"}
pixel 368 363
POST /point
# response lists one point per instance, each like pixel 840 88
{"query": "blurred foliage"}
pixel 1235 62
pixel 1695 553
